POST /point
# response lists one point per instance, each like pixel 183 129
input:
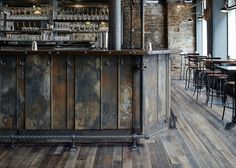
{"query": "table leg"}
pixel 181 67
pixel 233 122
pixel 234 113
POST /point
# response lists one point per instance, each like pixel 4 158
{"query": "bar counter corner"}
pixel 87 95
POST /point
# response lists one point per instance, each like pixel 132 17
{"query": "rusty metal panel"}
pixel 38 88
pixel 136 94
pixel 109 85
pixel 8 92
pixel 70 92
pixel 125 92
pixel 59 88
pixel 163 87
pixel 150 94
pixel 88 92
pixel 21 91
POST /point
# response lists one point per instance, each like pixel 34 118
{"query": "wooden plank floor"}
pixel 200 140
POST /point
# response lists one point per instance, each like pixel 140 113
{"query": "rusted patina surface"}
pixel 38 92
pixel 151 94
pixel 87 92
pixel 83 91
pixel 136 108
pixel 7 92
pixel 109 89
pixel 163 98
pixel 21 91
pixel 70 92
pixel 125 92
pixel 59 87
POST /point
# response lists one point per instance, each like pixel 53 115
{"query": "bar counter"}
pixel 82 93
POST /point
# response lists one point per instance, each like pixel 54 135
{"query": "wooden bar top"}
pixel 73 52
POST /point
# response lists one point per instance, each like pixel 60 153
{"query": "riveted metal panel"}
pixel 125 92
pixel 150 87
pixel 21 91
pixel 38 96
pixel 70 92
pixel 87 98
pixel 59 87
pixel 109 85
pixel 136 93
pixel 8 92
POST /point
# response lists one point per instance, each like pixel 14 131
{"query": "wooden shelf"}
pixel 56 41
pixel 62 20
pixel 25 31
pixel 29 19
pixel 68 31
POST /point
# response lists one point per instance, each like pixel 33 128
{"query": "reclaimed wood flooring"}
pixel 200 141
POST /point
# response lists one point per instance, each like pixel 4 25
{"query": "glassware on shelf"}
pixel 27 13
pixel 23 26
pixel 10 26
pixel 83 13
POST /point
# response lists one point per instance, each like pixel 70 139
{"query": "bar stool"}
pixel 191 66
pixel 182 67
pixel 199 76
pixel 185 64
pixel 215 81
pixel 202 72
pixel 229 84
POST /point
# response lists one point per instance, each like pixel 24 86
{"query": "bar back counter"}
pixel 83 95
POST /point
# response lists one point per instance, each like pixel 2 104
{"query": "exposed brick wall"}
pixel 154 25
pixel 126 12
pixel 131 24
pixel 181 33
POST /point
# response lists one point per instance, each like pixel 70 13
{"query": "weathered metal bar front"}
pixel 82 92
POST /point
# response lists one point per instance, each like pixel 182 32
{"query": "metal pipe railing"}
pixel 73 138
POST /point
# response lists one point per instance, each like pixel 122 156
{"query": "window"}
pixel 232 34
pixel 204 37
pixel 204 31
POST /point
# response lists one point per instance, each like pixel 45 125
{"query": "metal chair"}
pixel 227 104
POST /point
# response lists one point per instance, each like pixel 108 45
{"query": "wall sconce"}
pixel 225 8
pixel 200 17
pixel 190 20
pixel 206 15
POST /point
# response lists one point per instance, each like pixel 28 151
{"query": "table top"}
pixel 220 61
pixel 196 56
pixel 231 69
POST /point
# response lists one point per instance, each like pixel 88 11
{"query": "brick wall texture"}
pixel 181 33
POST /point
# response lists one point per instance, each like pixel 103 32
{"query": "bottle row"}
pixel 81 26
pixel 89 13
pixel 72 14
pixel 48 36
pixel 57 26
